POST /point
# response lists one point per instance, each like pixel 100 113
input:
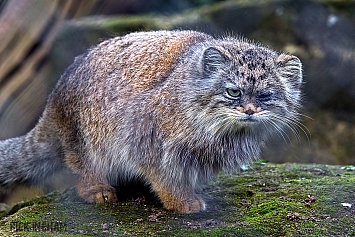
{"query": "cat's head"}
pixel 243 85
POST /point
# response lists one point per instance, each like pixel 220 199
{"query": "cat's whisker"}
pixel 303 128
pixel 293 124
pixel 279 130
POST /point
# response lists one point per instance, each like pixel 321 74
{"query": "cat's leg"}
pixel 91 186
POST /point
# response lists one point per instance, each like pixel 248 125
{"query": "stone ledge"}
pixel 265 200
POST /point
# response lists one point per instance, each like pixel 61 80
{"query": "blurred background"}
pixel 40 38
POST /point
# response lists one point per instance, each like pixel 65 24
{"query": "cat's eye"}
pixel 265 96
pixel 234 93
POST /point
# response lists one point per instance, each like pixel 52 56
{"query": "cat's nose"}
pixel 250 109
pixel 249 112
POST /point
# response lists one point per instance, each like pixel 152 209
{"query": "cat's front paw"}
pixel 100 193
pixel 193 205
pixel 185 206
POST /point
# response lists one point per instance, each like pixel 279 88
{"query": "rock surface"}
pixel 266 200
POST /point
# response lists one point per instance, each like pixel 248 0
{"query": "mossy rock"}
pixel 266 200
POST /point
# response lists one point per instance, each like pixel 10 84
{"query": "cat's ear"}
pixel 289 70
pixel 213 59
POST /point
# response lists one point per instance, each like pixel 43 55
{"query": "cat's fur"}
pixel 169 107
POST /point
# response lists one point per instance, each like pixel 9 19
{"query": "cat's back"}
pixel 123 66
pixel 140 59
pixel 112 77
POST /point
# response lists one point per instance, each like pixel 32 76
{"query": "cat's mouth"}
pixel 249 119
